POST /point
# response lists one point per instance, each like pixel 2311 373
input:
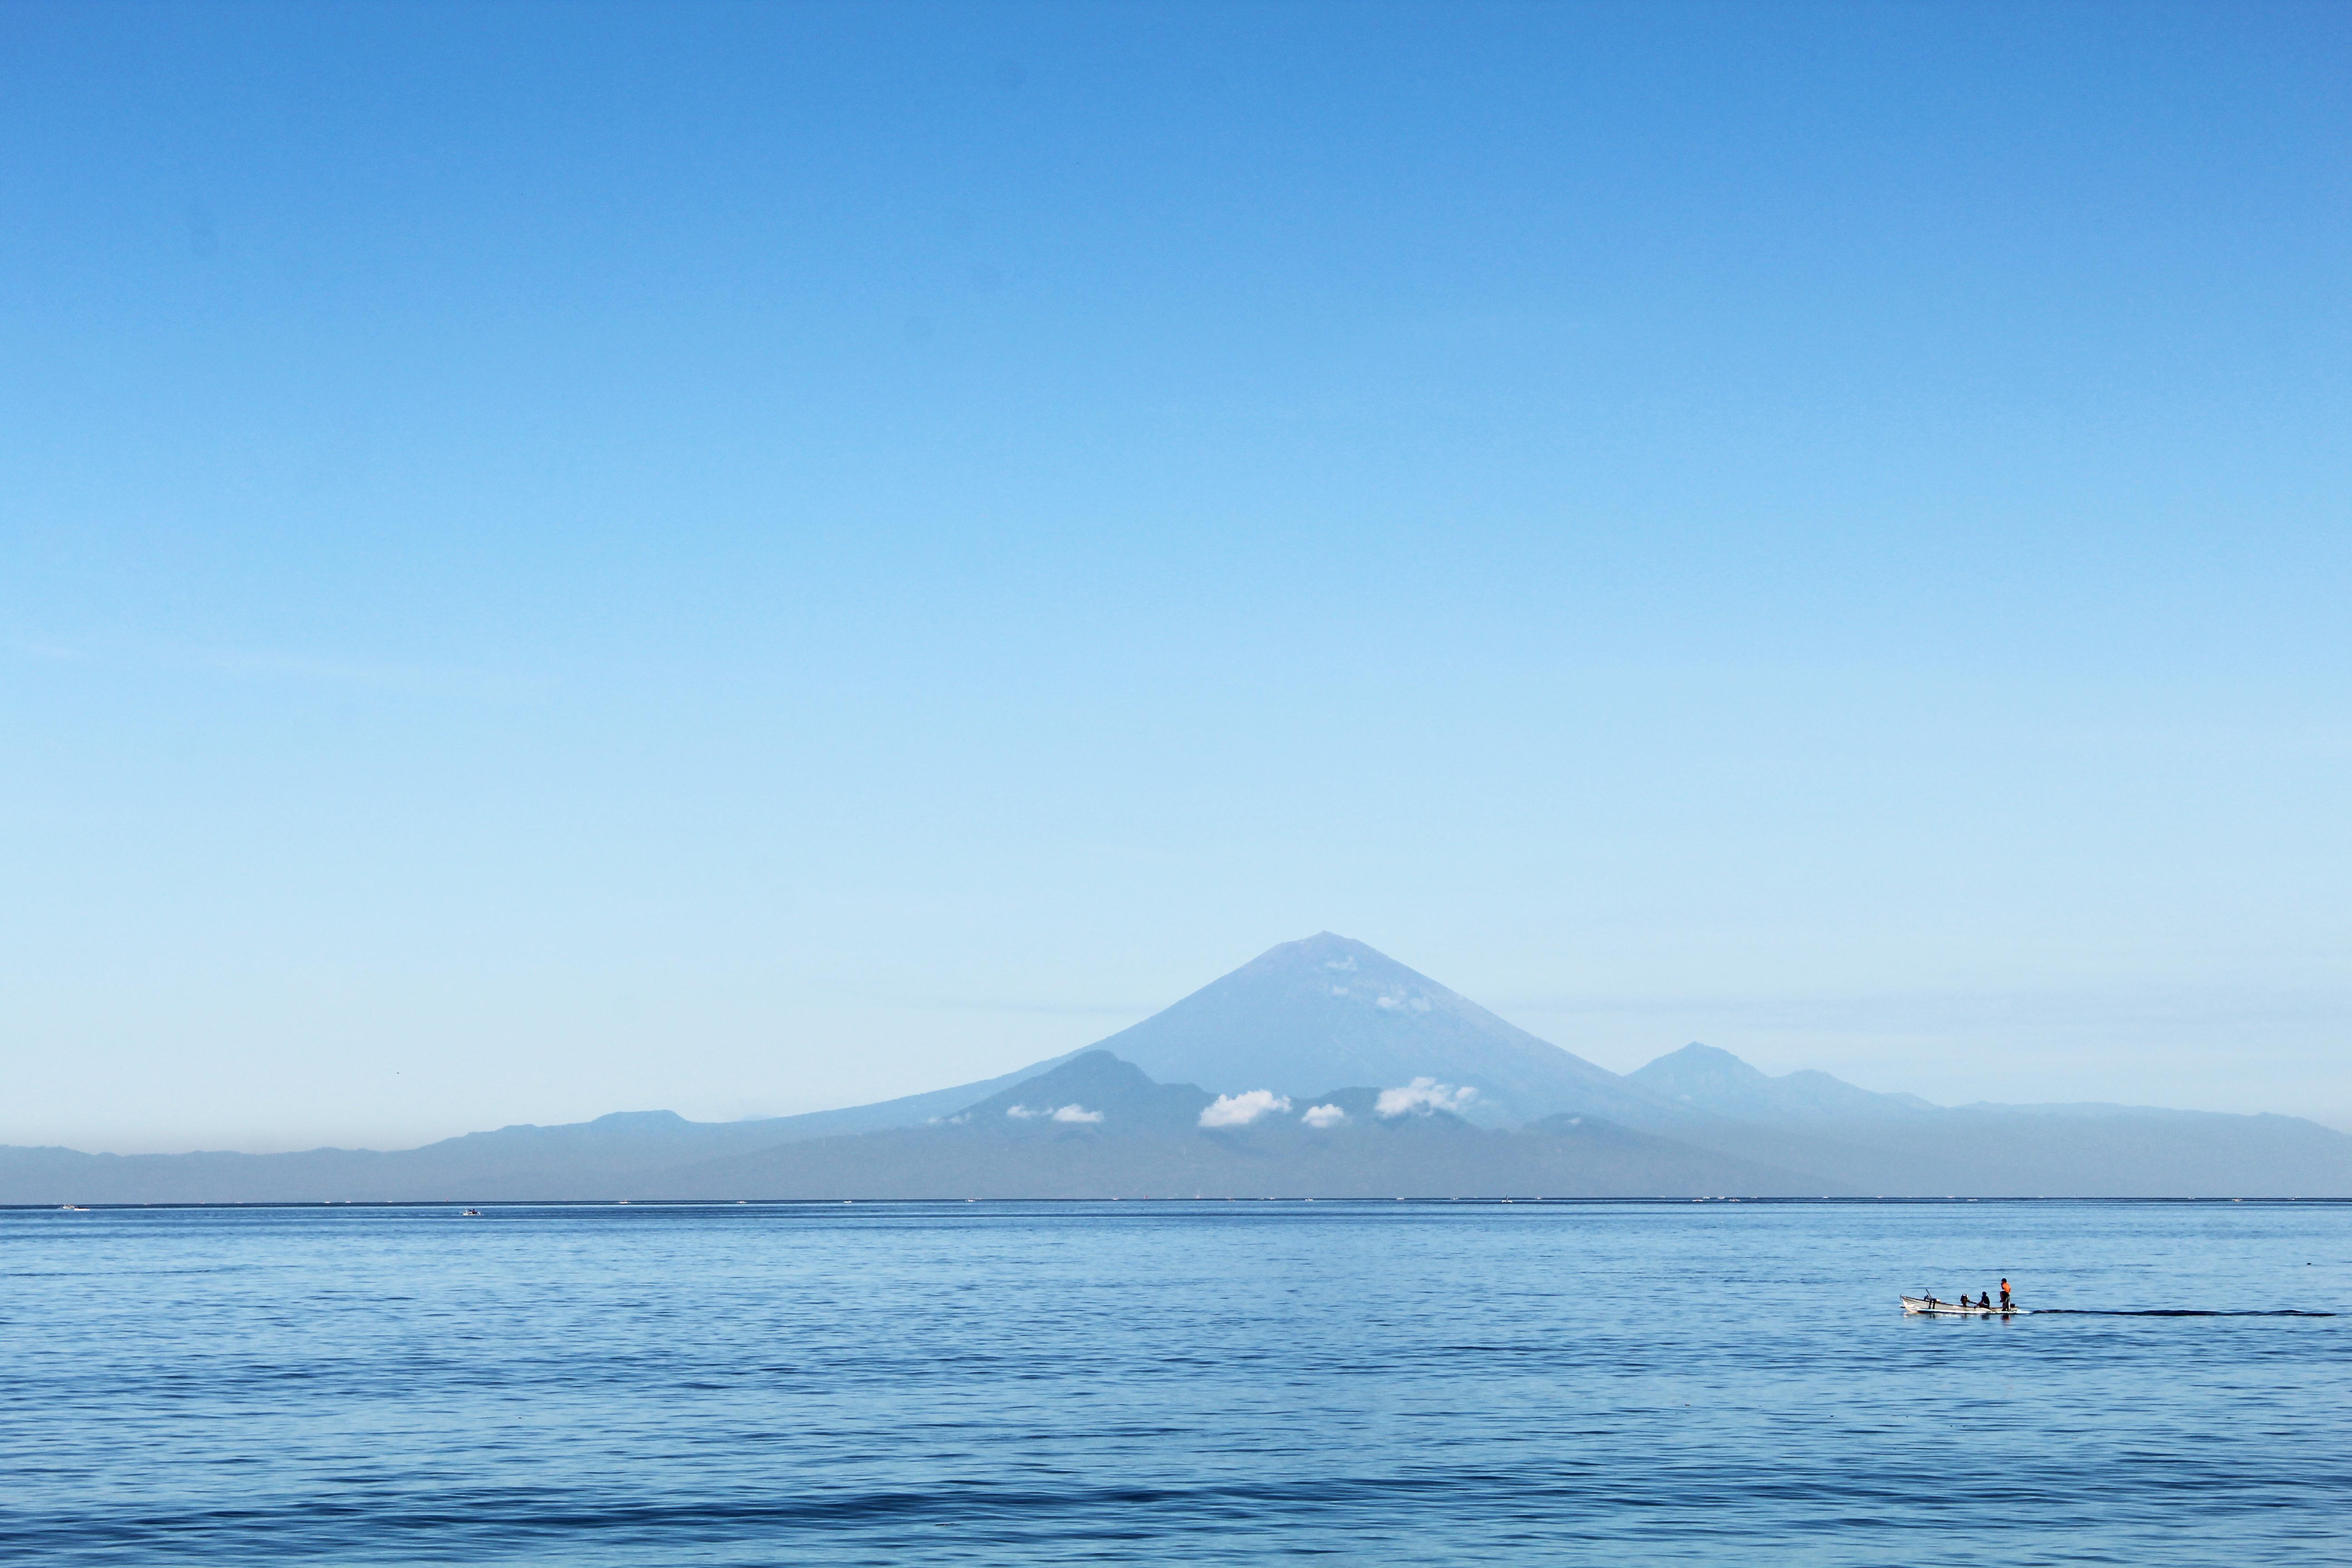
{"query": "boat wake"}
pixel 2168 1312
pixel 1928 1307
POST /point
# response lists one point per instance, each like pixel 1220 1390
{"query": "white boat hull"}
pixel 1928 1306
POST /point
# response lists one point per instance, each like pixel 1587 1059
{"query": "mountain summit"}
pixel 1306 1016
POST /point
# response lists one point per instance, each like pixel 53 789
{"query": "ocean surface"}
pixel 1216 1383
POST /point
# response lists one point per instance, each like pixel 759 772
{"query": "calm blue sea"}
pixel 1220 1383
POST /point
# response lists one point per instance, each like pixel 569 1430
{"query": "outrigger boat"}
pixel 1932 1307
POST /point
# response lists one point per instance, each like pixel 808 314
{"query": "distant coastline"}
pixel 1243 1090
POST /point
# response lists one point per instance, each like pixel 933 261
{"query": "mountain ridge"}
pixel 1393 1059
pixel 1716 1083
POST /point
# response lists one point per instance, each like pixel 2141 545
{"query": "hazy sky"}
pixel 746 558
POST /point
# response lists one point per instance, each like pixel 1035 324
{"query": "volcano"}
pixel 1328 1010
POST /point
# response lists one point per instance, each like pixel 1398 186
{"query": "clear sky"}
pixel 743 558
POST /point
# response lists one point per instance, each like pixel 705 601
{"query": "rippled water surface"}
pixel 1145 1383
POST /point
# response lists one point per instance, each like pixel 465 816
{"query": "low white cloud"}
pixel 1077 1113
pixel 1422 1095
pixel 1324 1116
pixel 1022 1113
pixel 1240 1110
pixel 1072 1112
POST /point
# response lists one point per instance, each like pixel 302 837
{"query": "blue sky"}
pixel 745 558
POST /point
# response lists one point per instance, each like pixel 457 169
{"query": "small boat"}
pixel 471 1214
pixel 1931 1307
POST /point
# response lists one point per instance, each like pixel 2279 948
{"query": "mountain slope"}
pixel 1711 1083
pixel 1328 1010
pixel 1098 1127
pixel 575 1160
pixel 908 1110
pixel 1900 1145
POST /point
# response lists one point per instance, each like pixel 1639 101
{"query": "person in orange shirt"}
pixel 2004 1295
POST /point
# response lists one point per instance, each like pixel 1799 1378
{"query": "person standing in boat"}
pixel 2004 1295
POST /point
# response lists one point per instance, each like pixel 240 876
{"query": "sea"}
pixel 1717 1383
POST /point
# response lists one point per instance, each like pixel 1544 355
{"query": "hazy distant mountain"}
pixel 1716 1083
pixel 1901 1145
pixel 1307 1014
pixel 2090 1151
pixel 908 1110
pixel 1099 1127
pixel 1327 1023
pixel 583 1158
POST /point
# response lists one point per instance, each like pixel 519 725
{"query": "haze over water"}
pixel 1186 1383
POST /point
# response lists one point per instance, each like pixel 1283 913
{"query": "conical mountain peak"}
pixel 1326 1010
pixel 1701 1071
pixel 1338 967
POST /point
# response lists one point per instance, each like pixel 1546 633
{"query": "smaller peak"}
pixel 1093 1090
pixel 1698 1051
pixel 1098 1071
pixel 1094 1063
pixel 1695 1065
pixel 638 1121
